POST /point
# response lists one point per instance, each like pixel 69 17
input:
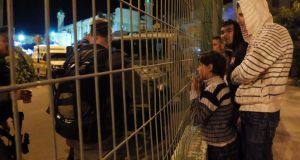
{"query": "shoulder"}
pixel 273 35
pixel 214 83
pixel 274 30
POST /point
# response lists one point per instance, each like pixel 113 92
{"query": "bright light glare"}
pixel 21 37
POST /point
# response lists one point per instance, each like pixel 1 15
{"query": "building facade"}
pixel 143 22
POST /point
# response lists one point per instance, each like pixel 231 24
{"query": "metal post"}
pixel 10 23
pixel 1 13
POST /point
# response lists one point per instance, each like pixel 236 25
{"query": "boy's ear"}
pixel 210 67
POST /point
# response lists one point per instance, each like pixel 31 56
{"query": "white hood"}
pixel 256 14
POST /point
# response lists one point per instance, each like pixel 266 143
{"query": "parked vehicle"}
pixel 39 57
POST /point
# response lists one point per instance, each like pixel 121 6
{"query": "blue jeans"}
pixel 257 134
pixel 228 152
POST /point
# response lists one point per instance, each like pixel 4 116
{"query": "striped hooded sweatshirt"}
pixel 263 73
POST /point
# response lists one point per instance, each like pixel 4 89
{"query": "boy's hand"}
pixel 195 83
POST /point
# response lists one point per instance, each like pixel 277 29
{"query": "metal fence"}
pixel 162 56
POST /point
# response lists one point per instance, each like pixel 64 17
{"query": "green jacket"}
pixel 24 68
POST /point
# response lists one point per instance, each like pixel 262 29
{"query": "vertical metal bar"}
pixel 141 81
pixel 148 86
pixel 49 73
pixel 149 100
pixel 178 35
pixel 96 81
pixel 180 50
pixel 163 16
pixel 1 12
pixel 173 50
pixel 111 81
pixel 148 80
pixel 155 121
pixel 155 104
pixel 174 107
pixel 78 97
pixel 161 98
pixel 123 80
pixel 133 83
pixel 170 46
pixel 170 106
pixel 161 124
pixel 165 111
pixel 12 60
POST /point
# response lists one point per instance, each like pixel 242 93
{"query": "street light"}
pixel 21 37
pixel 52 33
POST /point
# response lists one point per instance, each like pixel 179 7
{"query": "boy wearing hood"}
pixel 262 76
pixel 233 39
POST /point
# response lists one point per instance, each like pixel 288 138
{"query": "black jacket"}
pixel 238 54
pixel 5 100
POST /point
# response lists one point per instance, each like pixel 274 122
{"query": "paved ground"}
pixel 287 139
pixel 37 122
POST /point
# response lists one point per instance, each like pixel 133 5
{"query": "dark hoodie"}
pixel 239 48
pixel 5 100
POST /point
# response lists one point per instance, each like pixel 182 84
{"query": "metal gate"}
pixel 162 39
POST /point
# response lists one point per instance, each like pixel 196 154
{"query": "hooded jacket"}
pixel 263 73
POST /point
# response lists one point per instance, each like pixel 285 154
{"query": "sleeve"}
pixel 265 52
pixel 193 95
pixel 203 108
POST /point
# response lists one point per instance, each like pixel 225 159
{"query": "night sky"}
pixel 29 14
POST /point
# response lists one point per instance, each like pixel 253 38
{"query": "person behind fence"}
pixel 232 35
pixel 25 73
pixel 211 108
pixel 262 76
pixel 88 97
pixel 218 45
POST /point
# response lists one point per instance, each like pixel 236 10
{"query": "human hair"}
pixel 217 60
pixel 229 22
pixel 101 28
pixel 217 38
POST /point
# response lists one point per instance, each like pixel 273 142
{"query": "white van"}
pixel 39 57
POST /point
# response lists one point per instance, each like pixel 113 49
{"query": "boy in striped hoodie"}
pixel 211 108
pixel 262 76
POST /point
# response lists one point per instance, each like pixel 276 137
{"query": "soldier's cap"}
pixel 100 22
pixel 101 26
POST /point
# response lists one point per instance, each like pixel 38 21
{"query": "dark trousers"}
pixel 228 152
pixel 257 134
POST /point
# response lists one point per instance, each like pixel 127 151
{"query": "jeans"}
pixel 228 152
pixel 257 134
